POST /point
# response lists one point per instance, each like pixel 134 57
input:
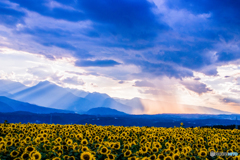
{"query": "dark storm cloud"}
pixel 223 23
pixel 197 78
pixel 230 100
pixel 196 87
pixel 43 7
pixel 161 69
pixel 226 56
pixel 132 25
pixel 10 17
pixel 131 20
pixel 150 91
pixel 121 82
pixel 96 63
pixel 143 84
pixel 54 37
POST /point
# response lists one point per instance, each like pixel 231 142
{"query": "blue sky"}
pixel 177 50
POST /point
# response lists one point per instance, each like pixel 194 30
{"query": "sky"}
pixel 180 51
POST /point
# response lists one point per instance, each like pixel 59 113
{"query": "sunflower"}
pixel 176 157
pixel 168 158
pixel 86 156
pixel 9 143
pixel 65 157
pixel 144 150
pixel 202 154
pixel 29 149
pixel 193 158
pixel 56 158
pixel 25 155
pixel 111 156
pixel 59 152
pixel 14 154
pixel 65 148
pixel 84 149
pixel 127 153
pixel 117 145
pixel 153 157
pixel 104 150
pixel 71 158
pixel 161 156
pixel 84 142
pixel 69 142
pixel 37 156
pixel 154 149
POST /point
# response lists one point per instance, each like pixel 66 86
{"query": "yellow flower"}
pixel 181 123
pixel 168 158
pixel 104 150
pixel 84 149
pixel 202 154
pixel 176 157
pixel 86 156
pixel 25 155
pixel 37 156
pixel 14 154
pixel 29 149
pixel 84 142
pixel 111 156
pixel 128 153
pixel 117 145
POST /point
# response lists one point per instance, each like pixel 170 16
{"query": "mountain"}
pixel 7 104
pixel 97 98
pixel 50 95
pixel 79 93
pixel 111 103
pixel 5 108
pixel 8 87
pixel 105 111
pixel 135 103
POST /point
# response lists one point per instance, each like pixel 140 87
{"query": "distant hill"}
pixel 10 105
pixel 79 93
pixel 10 87
pixel 105 111
pixel 5 108
pixel 50 95
pixel 47 94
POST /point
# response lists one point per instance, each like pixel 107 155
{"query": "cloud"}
pixel 230 101
pixel 197 78
pixel 226 56
pixel 136 23
pixel 73 80
pixel 58 12
pixel 196 87
pixel 175 41
pixel 121 82
pixel 162 69
pixel 40 71
pixel 9 16
pixel 150 91
pixel 143 84
pixel 96 63
pixel 86 74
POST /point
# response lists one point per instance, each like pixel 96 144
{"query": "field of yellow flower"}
pixel 89 142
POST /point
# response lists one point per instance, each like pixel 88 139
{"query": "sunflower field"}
pixel 90 142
